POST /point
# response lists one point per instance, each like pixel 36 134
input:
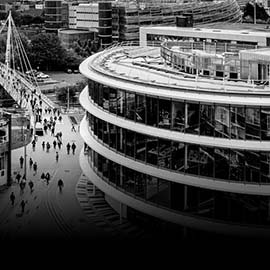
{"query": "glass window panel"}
pixel 130 105
pixel 113 101
pixel 207 161
pixel 140 146
pixel 95 160
pixel 178 116
pixel 164 153
pixel 121 103
pixel 265 123
pixel 151 188
pixel 178 156
pixel 120 140
pixel 114 172
pixel 106 132
pixel 105 168
pixel 207 120
pixel 106 98
pixel 152 150
pixel 265 167
pixel 237 165
pixel 222 121
pixel 193 115
pixel 100 129
pixel 140 108
pixel 163 197
pixel 100 164
pixel 95 92
pixel 152 111
pixel 253 124
pixel 164 113
pixel 252 164
pixel 113 136
pixel 91 86
pixel 129 180
pixel 238 123
pixel 130 142
pixel 222 163
pixel 193 159
pixel 95 126
pixel 140 185
pixel 100 95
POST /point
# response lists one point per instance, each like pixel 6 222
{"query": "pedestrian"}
pixel 60 118
pixel 45 129
pixel 35 167
pixel 48 146
pixel 68 148
pixel 46 110
pixel 33 145
pixel 30 163
pixel 22 185
pixel 12 198
pixel 23 203
pixel 43 145
pixel 73 128
pixel 55 118
pixel 52 132
pixel 31 185
pixel 60 184
pixel 21 161
pixel 48 178
pixel 54 144
pixel 57 156
pixel 43 176
pixel 60 135
pixel 18 177
pixel 59 143
pixel 73 146
pixel 58 113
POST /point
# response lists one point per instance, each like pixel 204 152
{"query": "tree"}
pixel 62 94
pixel 47 52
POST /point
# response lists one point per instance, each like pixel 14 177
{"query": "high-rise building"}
pixel 53 15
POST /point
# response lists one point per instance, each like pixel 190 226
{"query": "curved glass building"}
pixel 181 133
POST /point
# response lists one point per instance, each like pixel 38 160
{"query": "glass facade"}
pixel 210 204
pixel 213 120
pixel 194 159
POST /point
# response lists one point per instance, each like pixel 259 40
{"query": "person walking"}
pixel 18 177
pixel 60 118
pixel 23 203
pixel 73 146
pixel 43 143
pixel 43 176
pixel 48 178
pixel 35 168
pixel 30 163
pixel 59 144
pixel 48 146
pixel 21 161
pixel 54 144
pixel 34 145
pixel 57 156
pixel 68 148
pixel 60 184
pixel 12 198
pixel 73 128
pixel 31 185
pixel 52 131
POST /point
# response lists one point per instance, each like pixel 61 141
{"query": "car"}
pixel 75 71
pixel 69 70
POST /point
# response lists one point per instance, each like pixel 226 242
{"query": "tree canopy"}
pixel 47 52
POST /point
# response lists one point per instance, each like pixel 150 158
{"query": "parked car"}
pixel 69 70
pixel 75 71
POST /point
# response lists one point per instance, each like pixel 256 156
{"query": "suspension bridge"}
pixel 16 74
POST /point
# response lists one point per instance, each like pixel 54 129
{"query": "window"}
pixel 113 101
pixel 120 140
pixel 164 153
pixel 207 120
pixel 193 159
pixel 222 121
pixel 193 116
pixel 121 103
pixel 222 163
pixel 106 98
pixel 237 165
pixel 253 124
pixel 152 150
pixel 140 108
pixel 265 123
pixel 130 141
pixel 238 122
pixel 140 147
pixel 164 114
pixel 152 111
pixel 151 188
pixel 207 161
pixel 140 185
pixel 113 136
pixel 178 156
pixel 130 106
pixel 178 116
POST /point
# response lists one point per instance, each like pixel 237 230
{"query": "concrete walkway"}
pixel 48 213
